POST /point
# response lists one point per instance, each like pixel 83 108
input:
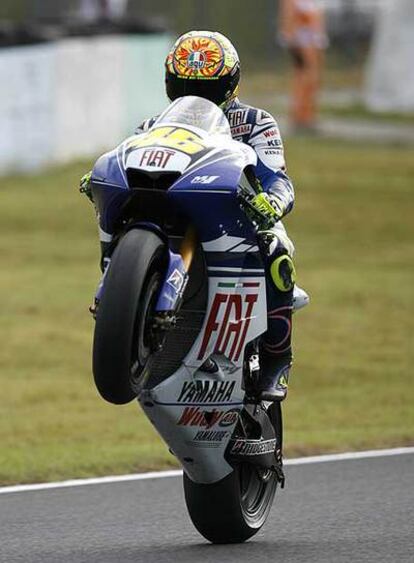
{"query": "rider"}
pixel 206 64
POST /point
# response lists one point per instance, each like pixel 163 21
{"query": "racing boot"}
pixel 275 345
pixel 275 349
pixel 300 298
pixel 274 378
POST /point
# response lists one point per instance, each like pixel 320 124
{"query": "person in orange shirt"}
pixel 302 32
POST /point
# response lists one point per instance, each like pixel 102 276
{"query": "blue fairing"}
pixel 206 192
pixel 214 207
pixel 108 168
pixel 110 192
pixel 215 210
pixel 174 284
pixel 109 188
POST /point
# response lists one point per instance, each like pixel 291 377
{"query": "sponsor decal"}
pixel 238 284
pixel 241 129
pixel 196 60
pixel 210 435
pixel 204 179
pixel 273 132
pixel 176 280
pixel 272 152
pixel 274 143
pixel 253 447
pixel 195 416
pixel 263 117
pixel 156 157
pixel 206 391
pixel 238 117
pixel 231 330
pixel 229 418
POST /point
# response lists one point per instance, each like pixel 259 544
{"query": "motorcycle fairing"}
pixel 196 410
pixel 174 284
pixel 110 187
pixel 192 409
pixel 228 164
pixel 192 423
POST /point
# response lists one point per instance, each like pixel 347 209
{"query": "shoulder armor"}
pixel 145 125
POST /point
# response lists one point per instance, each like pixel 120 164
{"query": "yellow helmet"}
pixel 205 64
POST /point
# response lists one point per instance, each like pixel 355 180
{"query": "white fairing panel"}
pixel 236 315
pixel 152 157
pixel 194 411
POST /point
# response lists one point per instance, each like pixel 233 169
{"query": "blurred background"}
pixel 76 77
pixel 56 56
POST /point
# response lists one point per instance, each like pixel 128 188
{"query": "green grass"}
pixel 352 384
pixel 353 228
pixel 359 112
pixel 276 80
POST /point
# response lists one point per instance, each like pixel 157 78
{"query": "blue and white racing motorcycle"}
pixel 182 306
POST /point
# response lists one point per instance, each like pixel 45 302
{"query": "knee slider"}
pixel 283 273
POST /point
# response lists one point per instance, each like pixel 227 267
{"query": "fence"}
pixel 75 97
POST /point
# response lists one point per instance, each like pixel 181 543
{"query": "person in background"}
pixel 302 32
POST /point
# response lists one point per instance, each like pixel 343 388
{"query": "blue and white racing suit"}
pixel 257 128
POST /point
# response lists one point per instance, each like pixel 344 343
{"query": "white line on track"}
pixel 178 472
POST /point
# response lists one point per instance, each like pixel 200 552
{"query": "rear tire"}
pixel 122 340
pixel 234 509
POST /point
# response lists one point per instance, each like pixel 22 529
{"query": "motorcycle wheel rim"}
pixel 256 494
pixel 143 336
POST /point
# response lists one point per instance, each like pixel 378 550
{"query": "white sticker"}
pixel 204 179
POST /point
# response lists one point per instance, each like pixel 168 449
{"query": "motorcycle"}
pixel 181 308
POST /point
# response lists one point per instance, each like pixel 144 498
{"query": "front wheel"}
pixel 123 340
pixel 234 509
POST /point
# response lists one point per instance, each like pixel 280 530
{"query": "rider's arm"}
pixel 265 139
pixel 85 185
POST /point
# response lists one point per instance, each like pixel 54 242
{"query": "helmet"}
pixel 205 64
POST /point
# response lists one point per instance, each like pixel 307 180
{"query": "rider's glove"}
pixel 265 210
pixel 85 185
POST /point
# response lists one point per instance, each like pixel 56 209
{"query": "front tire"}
pixel 122 340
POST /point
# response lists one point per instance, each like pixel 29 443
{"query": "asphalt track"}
pixel 342 511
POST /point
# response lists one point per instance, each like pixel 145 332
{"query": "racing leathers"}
pixel 258 129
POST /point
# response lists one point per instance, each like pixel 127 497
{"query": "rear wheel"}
pixel 235 508
pixel 123 340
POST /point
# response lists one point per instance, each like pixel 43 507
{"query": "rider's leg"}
pixel 275 345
